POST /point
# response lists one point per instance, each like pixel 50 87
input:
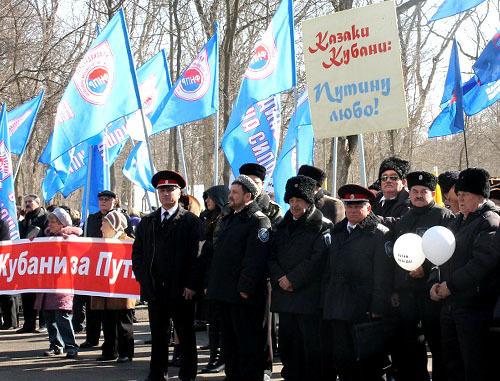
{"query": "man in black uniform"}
pixel 393 200
pixel 297 260
pixel 446 181
pixel 35 222
pixel 237 281
pixel 332 208
pixel 164 262
pixel 410 288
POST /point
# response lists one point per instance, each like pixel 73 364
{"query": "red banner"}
pixel 87 266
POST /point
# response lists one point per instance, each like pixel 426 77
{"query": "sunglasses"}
pixel 392 178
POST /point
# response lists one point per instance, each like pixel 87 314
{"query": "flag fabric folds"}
pixel 21 121
pixel 487 65
pixel 195 94
pixel 7 193
pixel 299 141
pixel 138 169
pixel 103 88
pixel 451 119
pixel 453 7
pixel 477 97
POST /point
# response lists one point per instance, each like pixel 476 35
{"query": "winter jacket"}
pixel 94 222
pixel 392 208
pixel 38 218
pixel 332 208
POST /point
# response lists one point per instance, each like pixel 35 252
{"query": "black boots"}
pixel 216 362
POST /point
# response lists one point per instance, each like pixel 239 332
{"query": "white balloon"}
pixel 438 244
pixel 408 251
pixel 135 128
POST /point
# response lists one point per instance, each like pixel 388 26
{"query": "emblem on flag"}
pixel 196 80
pixel 265 57
pixel 149 94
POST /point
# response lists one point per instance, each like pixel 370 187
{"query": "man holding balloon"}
pixel 411 298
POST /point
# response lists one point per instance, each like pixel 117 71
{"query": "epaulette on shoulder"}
pixel 326 220
pixel 259 214
pixel 382 228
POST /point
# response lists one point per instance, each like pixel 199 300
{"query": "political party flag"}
pixel 51 184
pixel 256 138
pixel 451 119
pixel 138 169
pixel 299 141
pixel 487 65
pixel 453 7
pixel 21 120
pixel 477 97
pixel 272 67
pixel 7 194
pixel 103 88
pixel 195 94
pixel 438 196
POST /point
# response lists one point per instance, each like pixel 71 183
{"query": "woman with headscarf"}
pixel 117 322
pixel 57 307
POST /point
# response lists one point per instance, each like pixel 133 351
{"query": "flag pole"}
pixel 297 160
pixel 87 192
pixel 216 147
pixel 148 145
pixel 334 162
pixel 465 141
pixel 148 200
pixel 362 159
pixel 183 161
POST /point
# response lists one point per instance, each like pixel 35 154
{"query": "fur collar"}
pixel 369 224
pixel 311 220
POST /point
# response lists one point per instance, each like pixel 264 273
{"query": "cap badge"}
pixel 296 185
pixel 420 177
pixel 352 196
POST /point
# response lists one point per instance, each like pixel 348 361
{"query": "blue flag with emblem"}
pixel 477 97
pixel 487 65
pixel 453 7
pixel 7 193
pixel 21 121
pixel 137 168
pixel 103 88
pixel 256 138
pixel 195 94
pixel 451 119
pixel 299 141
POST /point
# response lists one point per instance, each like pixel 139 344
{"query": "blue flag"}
pixel 21 121
pixel 51 184
pixel 299 141
pixel 256 139
pixel 453 7
pixel 103 88
pixel 7 193
pixel 195 95
pixel 451 119
pixel 477 97
pixel 137 168
pixel 272 67
pixel 487 66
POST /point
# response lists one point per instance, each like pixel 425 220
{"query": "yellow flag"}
pixel 438 197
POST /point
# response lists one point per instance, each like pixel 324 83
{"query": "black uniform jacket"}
pixel 332 208
pixel 183 234
pixel 418 220
pixel 358 276
pixel 240 255
pixel 392 208
pixel 271 209
pixel 299 251
pixel 39 218
pixel 4 231
pixel 470 272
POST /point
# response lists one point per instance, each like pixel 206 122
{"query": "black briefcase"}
pixel 372 337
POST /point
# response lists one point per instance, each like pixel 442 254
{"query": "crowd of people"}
pixel 317 284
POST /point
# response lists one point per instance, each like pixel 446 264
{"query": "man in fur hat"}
pixel 447 182
pixel 393 200
pixel 332 208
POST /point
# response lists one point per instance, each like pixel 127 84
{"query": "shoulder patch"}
pixel 382 228
pixel 328 239
pixel 263 235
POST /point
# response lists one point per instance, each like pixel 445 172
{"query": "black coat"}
pixel 94 222
pixel 38 217
pixel 299 251
pixel 418 220
pixel 358 276
pixel 240 255
pixel 470 272
pixel 4 231
pixel 392 208
pixel 183 234
pixel 332 208
pixel 271 209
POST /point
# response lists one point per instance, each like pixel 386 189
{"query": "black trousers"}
pixel 182 313
pixel 300 346
pixel 29 312
pixel 243 339
pixel 8 305
pixel 79 309
pixel 118 330
pixel 466 343
pixel 94 323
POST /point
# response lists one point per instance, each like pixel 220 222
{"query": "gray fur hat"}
pixel 248 185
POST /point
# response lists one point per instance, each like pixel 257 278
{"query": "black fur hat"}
pixel 474 180
pixel 252 169
pixel 425 179
pixel 314 173
pixel 301 187
pixel 401 166
pixel 447 179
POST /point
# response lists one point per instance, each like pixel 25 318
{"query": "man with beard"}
pixel 410 288
pixel 393 200
pixel 34 224
pixel 447 182
pixel 237 281
pixel 332 208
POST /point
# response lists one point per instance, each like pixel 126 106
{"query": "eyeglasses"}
pixel 105 199
pixel 392 178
